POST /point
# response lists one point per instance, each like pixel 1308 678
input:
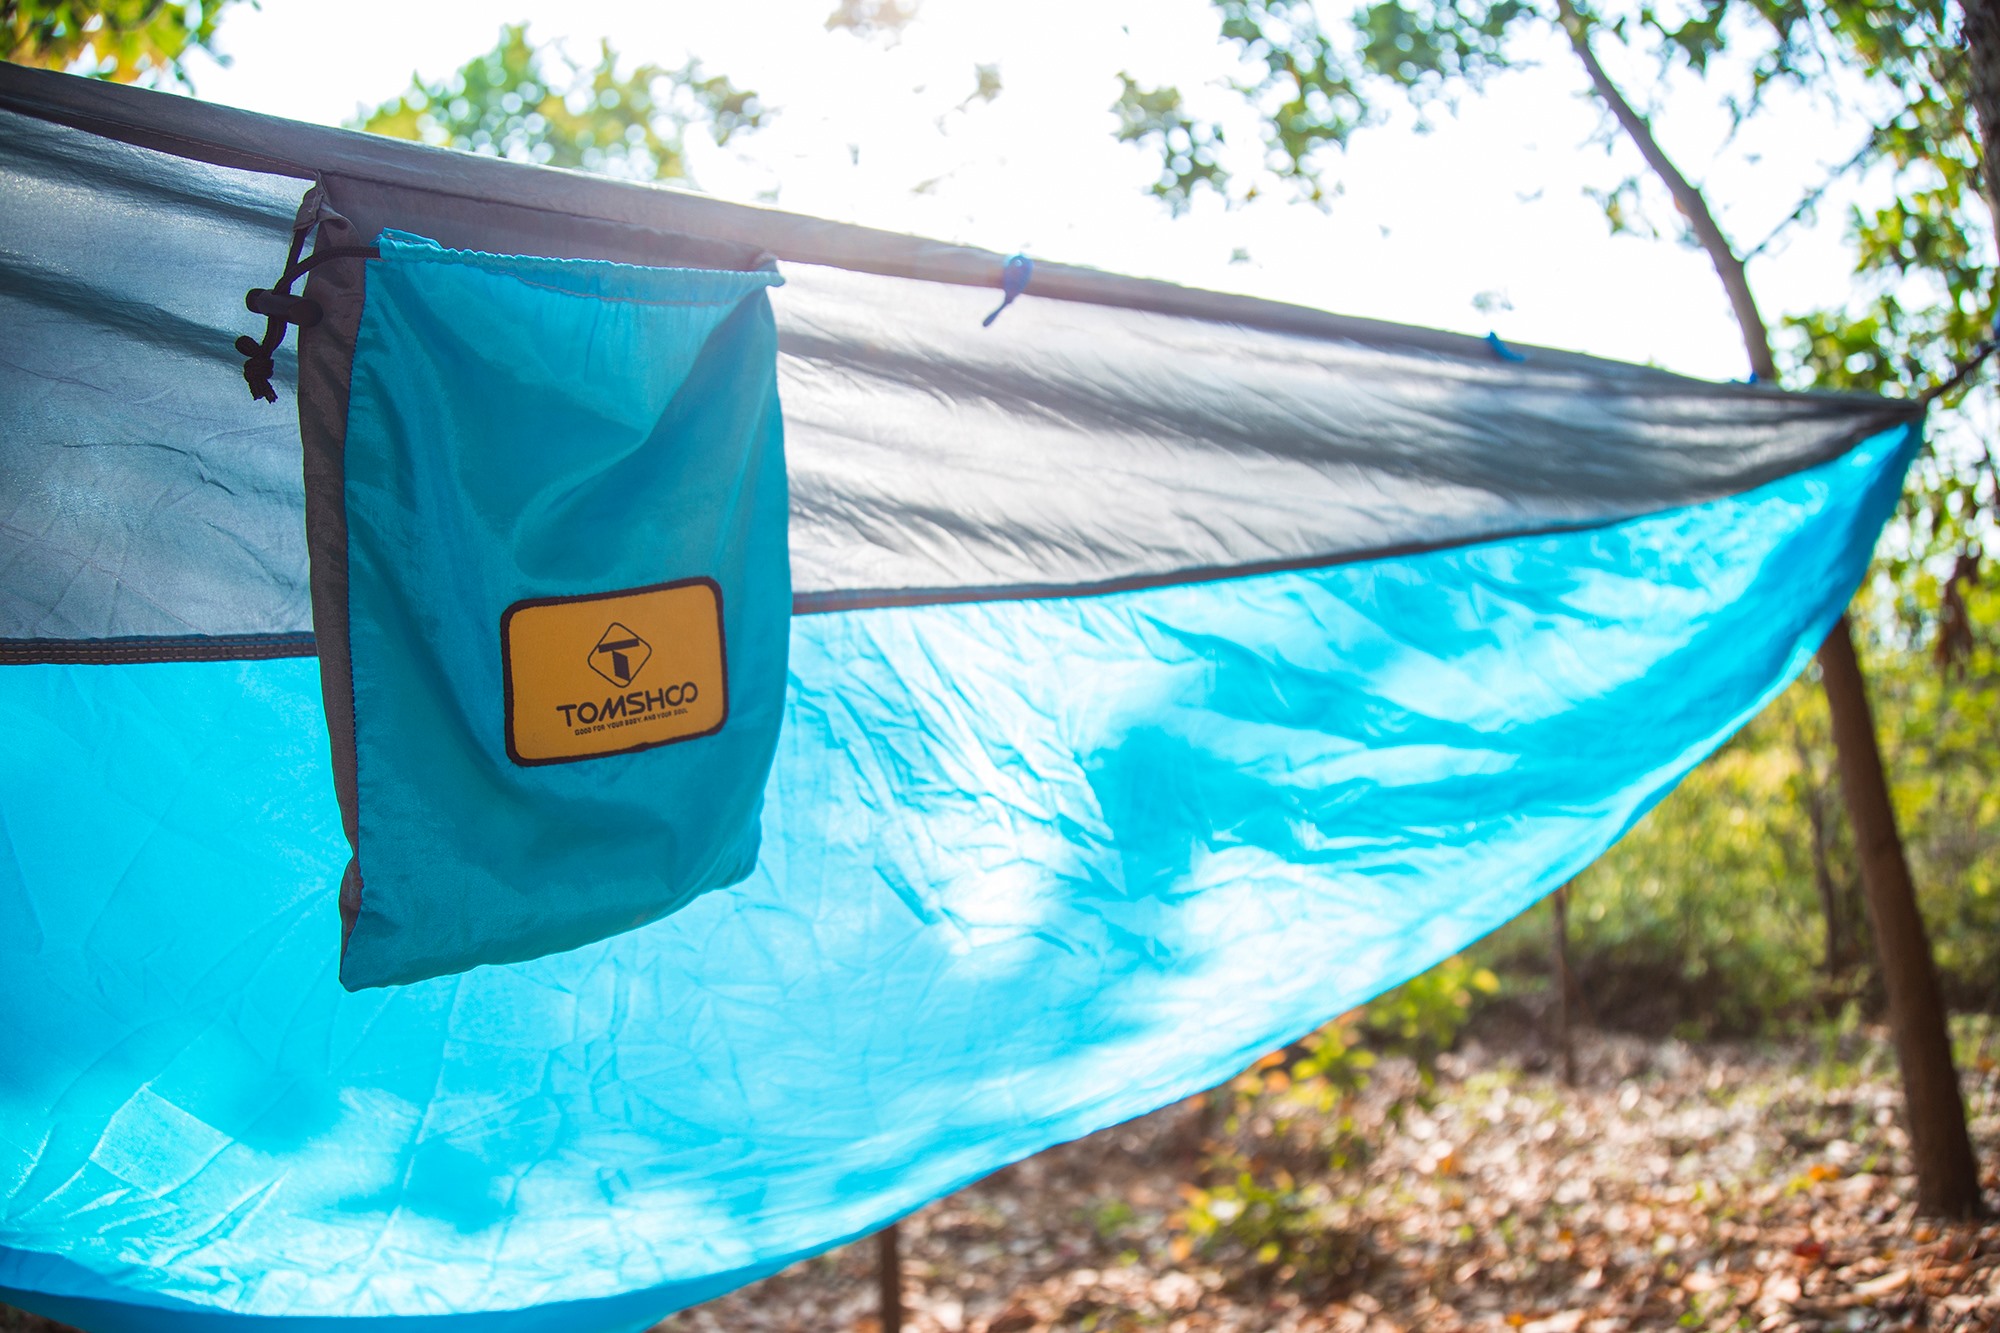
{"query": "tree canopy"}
pixel 1921 296
pixel 531 103
pixel 124 40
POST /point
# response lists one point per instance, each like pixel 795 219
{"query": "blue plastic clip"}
pixel 1013 281
pixel 1502 350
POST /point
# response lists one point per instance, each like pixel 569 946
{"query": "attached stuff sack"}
pixel 547 517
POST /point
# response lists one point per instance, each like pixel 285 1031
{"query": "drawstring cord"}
pixel 280 308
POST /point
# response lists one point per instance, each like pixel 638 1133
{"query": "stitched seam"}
pixel 100 652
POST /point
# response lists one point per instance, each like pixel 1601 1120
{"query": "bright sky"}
pixel 1488 203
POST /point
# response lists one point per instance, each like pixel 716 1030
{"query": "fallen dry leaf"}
pixel 1876 1288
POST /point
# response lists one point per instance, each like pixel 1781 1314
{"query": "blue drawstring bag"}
pixel 567 600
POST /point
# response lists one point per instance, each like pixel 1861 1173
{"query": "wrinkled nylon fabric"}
pixel 1030 868
pixel 532 430
pixel 1074 446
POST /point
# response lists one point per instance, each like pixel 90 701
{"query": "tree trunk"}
pixel 1565 987
pixel 1981 29
pixel 1947 1175
pixel 889 1278
pixel 1829 892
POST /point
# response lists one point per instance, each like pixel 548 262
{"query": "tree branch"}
pixel 1687 197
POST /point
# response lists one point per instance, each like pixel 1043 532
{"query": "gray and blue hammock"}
pixel 520 833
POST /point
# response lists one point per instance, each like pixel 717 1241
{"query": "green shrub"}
pixel 1282 1121
pixel 1710 917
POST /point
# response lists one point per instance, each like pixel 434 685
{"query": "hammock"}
pixel 1166 673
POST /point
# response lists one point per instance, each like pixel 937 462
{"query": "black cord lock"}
pixel 281 310
pixel 282 306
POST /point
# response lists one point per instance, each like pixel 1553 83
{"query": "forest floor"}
pixel 1674 1186
pixel 1707 1186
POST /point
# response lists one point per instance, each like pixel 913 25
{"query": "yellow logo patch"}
pixel 613 672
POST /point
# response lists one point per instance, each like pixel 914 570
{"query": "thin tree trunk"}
pixel 1947 1174
pixel 1829 892
pixel 1687 197
pixel 1565 987
pixel 889 1278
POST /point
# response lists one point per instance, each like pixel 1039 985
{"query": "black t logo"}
pixel 619 655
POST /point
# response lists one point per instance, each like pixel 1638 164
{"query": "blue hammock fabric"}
pixel 1135 841
pixel 1168 674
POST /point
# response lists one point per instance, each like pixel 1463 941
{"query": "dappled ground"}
pixel 1706 1186
pixel 1675 1186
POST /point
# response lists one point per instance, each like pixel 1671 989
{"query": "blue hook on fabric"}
pixel 1013 281
pixel 1502 350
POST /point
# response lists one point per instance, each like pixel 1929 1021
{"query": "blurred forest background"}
pixel 1732 916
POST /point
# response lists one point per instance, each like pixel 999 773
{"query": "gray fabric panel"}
pixel 1129 433
pixel 142 491
pixel 1073 448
